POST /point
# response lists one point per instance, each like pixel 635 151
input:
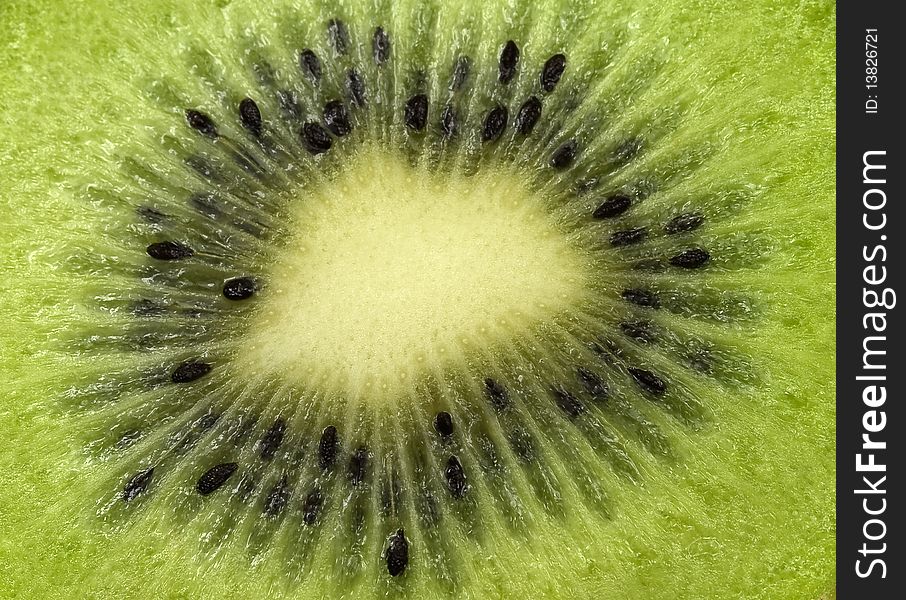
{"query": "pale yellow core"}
pixel 394 270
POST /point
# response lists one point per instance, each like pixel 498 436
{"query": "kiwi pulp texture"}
pixel 609 434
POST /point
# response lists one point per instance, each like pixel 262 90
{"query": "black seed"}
pixel 356 86
pixel 201 123
pixel 169 250
pixel 336 117
pixel 206 204
pixel 148 308
pixel 289 104
pixel 528 116
pixel 494 124
pixel 339 35
pixel 522 445
pixel 684 222
pixel 564 155
pixel 250 116
pixel 272 439
pixel 380 46
pixel 567 402
pixel 315 138
pixel 552 71
pixel 328 447
pixel 310 65
pixel 190 371
pixel 277 499
pixel 648 381
pixel 460 72
pixel 641 297
pixel 456 478
pixel 591 382
pixel 692 258
pixel 416 112
pixel 627 237
pixel 612 207
pixel 358 465
pixel 509 58
pixel 397 553
pixel 448 121
pixel 638 330
pixel 239 288
pixel 496 393
pixel 137 484
pixel 312 506
pixel 150 215
pixel 443 423
pixel 215 477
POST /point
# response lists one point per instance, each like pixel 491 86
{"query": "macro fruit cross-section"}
pixel 408 299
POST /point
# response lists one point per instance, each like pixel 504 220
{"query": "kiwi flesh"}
pixel 407 299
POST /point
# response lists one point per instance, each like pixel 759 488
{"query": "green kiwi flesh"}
pixel 407 299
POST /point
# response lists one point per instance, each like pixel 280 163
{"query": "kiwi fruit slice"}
pixel 414 299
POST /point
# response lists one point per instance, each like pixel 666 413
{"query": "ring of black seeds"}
pixel 582 390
